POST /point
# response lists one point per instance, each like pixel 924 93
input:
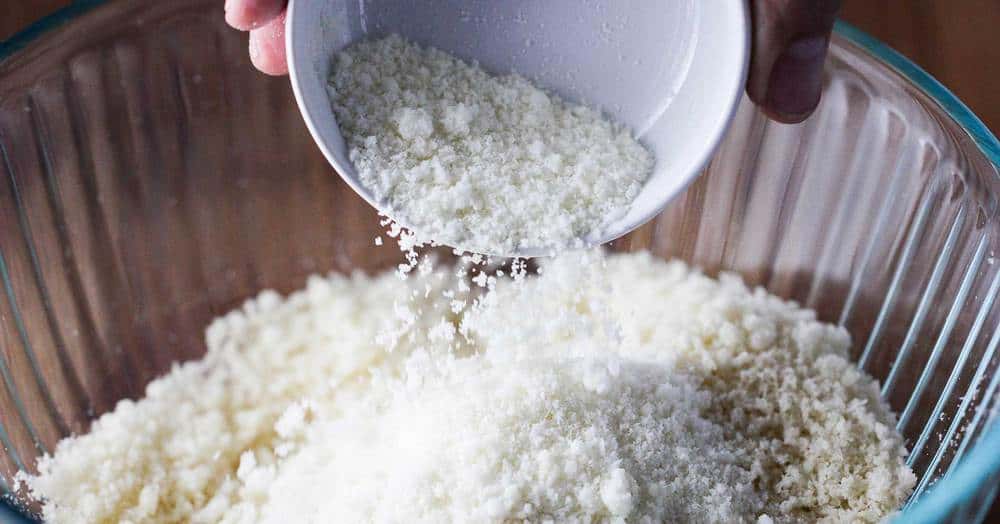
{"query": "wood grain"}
pixel 18 14
pixel 954 40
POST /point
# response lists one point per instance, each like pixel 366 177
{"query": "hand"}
pixel 265 19
pixel 786 68
pixel 790 39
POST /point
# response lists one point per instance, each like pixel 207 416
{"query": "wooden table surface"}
pixel 952 39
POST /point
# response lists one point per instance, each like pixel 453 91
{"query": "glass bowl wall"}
pixel 150 180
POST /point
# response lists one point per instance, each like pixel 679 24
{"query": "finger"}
pixel 267 47
pixel 251 14
pixel 791 38
pixel 796 84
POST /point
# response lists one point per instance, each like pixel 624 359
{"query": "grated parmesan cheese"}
pixel 608 388
pixel 491 164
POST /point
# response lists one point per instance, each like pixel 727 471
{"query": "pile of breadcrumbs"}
pixel 607 388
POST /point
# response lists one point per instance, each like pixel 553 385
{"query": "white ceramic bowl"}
pixel 671 70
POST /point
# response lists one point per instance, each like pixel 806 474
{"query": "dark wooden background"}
pixel 955 40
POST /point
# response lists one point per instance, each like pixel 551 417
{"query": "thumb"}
pixel 789 48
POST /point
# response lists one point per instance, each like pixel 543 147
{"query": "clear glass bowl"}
pixel 150 180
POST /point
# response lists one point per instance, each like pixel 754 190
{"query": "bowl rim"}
pixel 977 130
pixel 983 460
pixel 981 135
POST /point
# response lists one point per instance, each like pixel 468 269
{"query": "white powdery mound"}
pixel 486 163
pixel 610 388
pixel 562 439
pixel 809 426
pixel 172 456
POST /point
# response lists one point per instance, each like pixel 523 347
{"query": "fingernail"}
pixel 796 80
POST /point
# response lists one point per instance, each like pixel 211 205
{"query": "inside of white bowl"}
pixel 672 71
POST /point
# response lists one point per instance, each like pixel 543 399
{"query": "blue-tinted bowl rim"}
pixel 984 459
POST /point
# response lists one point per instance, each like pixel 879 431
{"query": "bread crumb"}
pixel 608 388
pixel 488 163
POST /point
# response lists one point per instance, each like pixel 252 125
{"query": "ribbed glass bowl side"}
pixel 150 180
pixel 881 213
